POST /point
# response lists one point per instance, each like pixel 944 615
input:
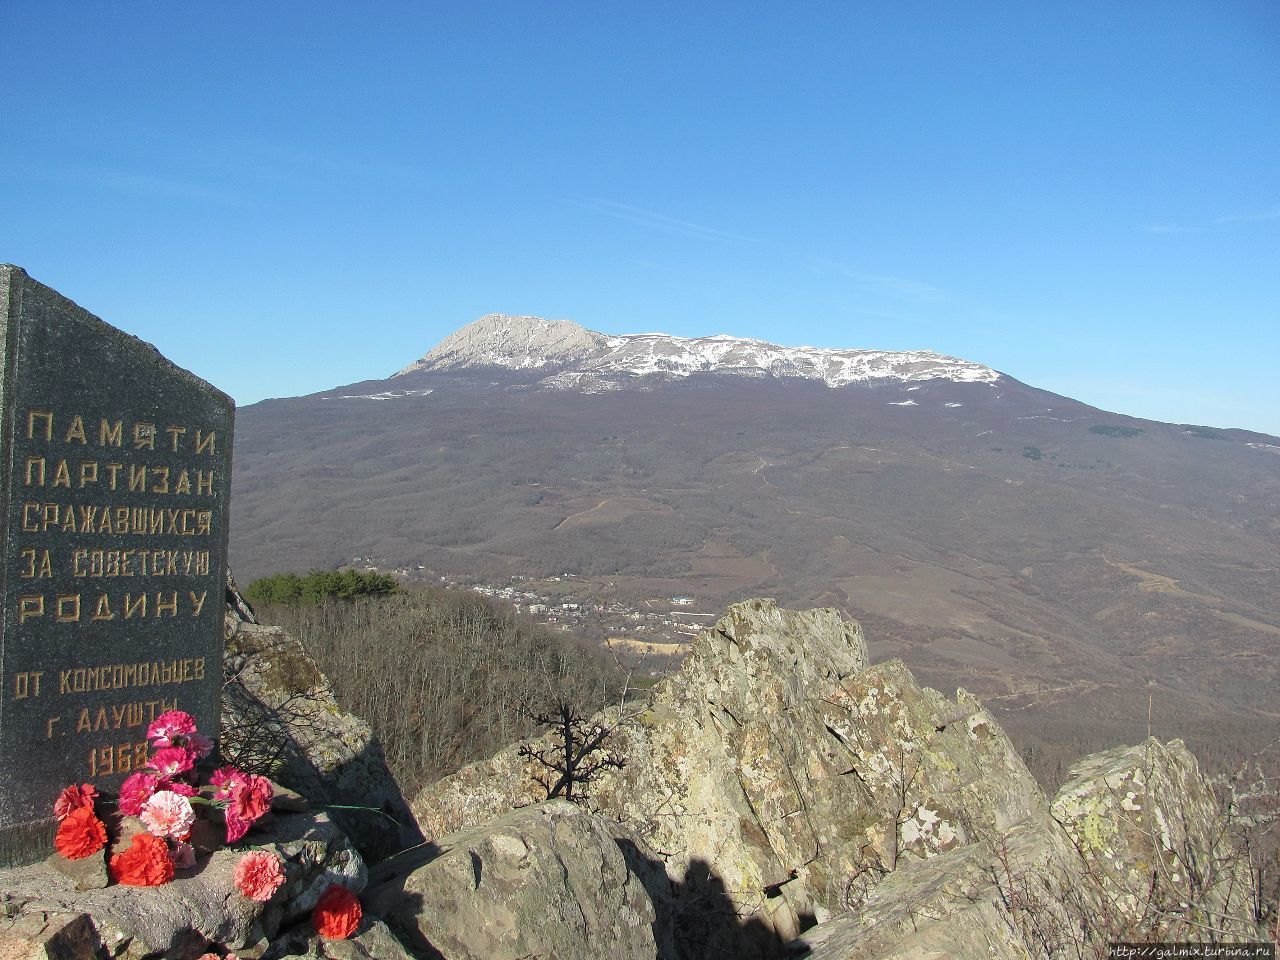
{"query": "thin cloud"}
pixel 1260 216
pixel 659 221
pixel 166 188
pixel 884 285
pixel 1272 214
pixel 1168 228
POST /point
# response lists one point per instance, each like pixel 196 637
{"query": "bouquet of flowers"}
pixel 164 795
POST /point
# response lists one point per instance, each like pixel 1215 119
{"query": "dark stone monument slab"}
pixel 113 518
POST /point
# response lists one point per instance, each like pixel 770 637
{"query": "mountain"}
pixel 577 358
pixel 1061 562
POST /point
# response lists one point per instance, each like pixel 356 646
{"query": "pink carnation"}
pixel 201 745
pixel 168 762
pixel 236 827
pixel 170 724
pixel 184 856
pixel 168 814
pixel 179 787
pixel 258 875
pixel 135 791
pixel 73 798
pixel 248 798
pixel 224 780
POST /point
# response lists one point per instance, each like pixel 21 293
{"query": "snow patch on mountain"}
pixel 384 395
pixel 576 357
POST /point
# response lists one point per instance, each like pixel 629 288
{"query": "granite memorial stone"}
pixel 113 518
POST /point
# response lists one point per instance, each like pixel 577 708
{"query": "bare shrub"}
pixel 445 677
pixel 255 735
pixel 576 755
pixel 1251 798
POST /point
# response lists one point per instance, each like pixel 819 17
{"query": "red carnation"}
pixel 145 864
pixel 80 835
pixel 337 915
pixel 253 799
pixel 73 798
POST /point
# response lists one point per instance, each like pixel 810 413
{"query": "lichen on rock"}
pixel 778 756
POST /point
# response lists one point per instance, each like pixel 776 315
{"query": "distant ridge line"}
pixel 570 352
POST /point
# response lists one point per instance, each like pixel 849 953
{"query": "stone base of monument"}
pixel 54 911
pixel 89 873
pixel 18 844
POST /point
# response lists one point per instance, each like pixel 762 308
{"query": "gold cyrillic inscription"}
pixel 36 564
pixel 27 684
pixel 44 425
pixel 71 607
pixel 120 676
pixel 115 519
pixel 139 563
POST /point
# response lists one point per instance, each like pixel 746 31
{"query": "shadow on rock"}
pixel 410 937
pixel 386 895
pixel 696 919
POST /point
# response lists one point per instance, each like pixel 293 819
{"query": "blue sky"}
pixel 286 196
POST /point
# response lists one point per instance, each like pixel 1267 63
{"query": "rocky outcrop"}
pixel 201 906
pixel 956 905
pixel 279 716
pixel 785 779
pixel 1151 841
pixel 779 796
pixel 777 756
pixel 546 881
pixel 778 782
pixel 1135 850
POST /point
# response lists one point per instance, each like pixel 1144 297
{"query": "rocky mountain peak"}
pixel 577 358
pixel 517 343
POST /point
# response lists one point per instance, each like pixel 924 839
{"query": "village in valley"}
pixel 660 629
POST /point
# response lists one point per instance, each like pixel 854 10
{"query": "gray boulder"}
pixel 973 903
pixel 47 935
pixel 546 881
pixel 1135 850
pixel 372 941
